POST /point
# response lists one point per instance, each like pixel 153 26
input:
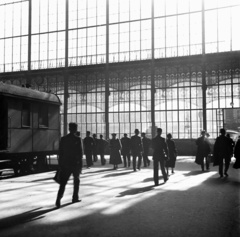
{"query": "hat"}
pixel 114 134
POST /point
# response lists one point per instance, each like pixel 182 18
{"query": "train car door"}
pixel 3 123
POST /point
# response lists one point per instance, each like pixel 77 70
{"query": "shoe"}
pixel 76 200
pixel 58 203
pixel 135 170
pixel 221 175
pixel 165 180
pixel 226 174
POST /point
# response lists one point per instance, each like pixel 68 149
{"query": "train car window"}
pixel 43 116
pixel 25 115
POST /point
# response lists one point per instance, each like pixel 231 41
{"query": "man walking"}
pixel 136 150
pixel 70 162
pixel 160 155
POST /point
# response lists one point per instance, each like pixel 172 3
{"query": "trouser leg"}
pixel 134 162
pixel 64 176
pixel 129 159
pixel 145 160
pixel 102 159
pixel 139 161
pixel 125 160
pixel 227 164
pixel 76 182
pixel 89 159
pixel 155 172
pixel 220 168
pixel 163 169
pixel 207 162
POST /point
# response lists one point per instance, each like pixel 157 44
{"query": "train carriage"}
pixel 29 127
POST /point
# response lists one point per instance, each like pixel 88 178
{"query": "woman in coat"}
pixel 172 152
pixel 115 154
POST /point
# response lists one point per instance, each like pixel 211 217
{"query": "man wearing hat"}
pixel 160 155
pixel 136 150
pixel 126 149
pixel 70 162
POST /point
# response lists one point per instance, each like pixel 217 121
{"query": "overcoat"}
pixel 160 149
pixel 70 151
pixel 203 149
pixel 115 154
pixel 222 149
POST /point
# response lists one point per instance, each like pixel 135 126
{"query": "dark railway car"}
pixel 29 127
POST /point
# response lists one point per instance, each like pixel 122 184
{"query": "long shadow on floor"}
pixel 117 174
pixel 194 172
pixel 32 215
pixel 136 191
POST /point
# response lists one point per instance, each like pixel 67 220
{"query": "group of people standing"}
pixel 136 146
pixel 223 150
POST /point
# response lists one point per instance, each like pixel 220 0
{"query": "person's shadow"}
pixel 25 217
pixel 117 174
pixel 136 191
pixel 194 172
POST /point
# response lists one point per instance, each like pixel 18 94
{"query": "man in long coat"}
pixel 136 150
pixel 88 144
pixel 203 150
pixel 126 142
pixel 222 152
pixel 160 155
pixel 70 162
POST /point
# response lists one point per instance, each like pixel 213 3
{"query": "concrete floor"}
pixel 121 203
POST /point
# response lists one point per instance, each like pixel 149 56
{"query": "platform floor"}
pixel 122 203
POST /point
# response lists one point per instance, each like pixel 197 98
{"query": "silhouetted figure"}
pixel 88 149
pixel 126 145
pixel 78 134
pixel 203 150
pixel 70 162
pixel 136 150
pixel 232 143
pixel 115 151
pixel 146 142
pixel 222 152
pixel 172 152
pixel 102 144
pixel 160 155
pixel 95 146
pixel 237 155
